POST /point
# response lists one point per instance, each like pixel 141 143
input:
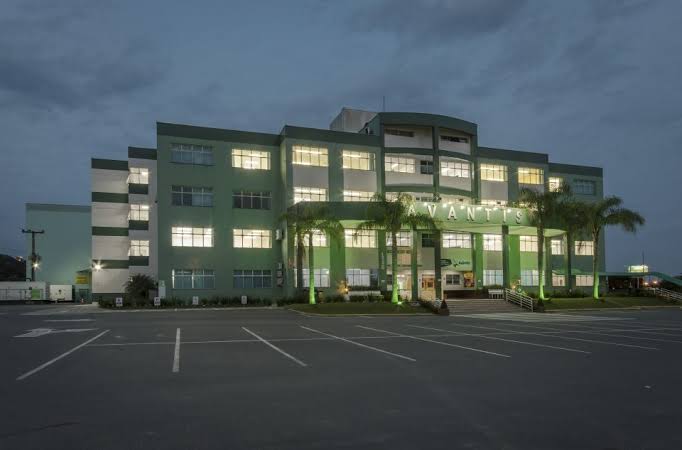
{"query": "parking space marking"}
pixel 369 347
pixel 530 317
pixel 553 334
pixel 274 347
pixel 63 355
pixel 633 330
pixel 448 344
pixel 534 344
pixel 176 355
pixel 68 320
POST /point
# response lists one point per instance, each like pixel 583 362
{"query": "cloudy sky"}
pixel 588 82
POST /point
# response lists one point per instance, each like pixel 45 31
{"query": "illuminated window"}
pixel 201 155
pixel 399 164
pixel 360 239
pixel 555 183
pixel 456 240
pixel 310 156
pixel 492 277
pixel 528 243
pixel 251 238
pixel 309 194
pixel 250 159
pixel 193 279
pixel 584 280
pixel 358 277
pixel 530 277
pixel 139 211
pixel 357 196
pixel 489 202
pixel 492 242
pixel 557 246
pixel 191 237
pixel 558 280
pixel 455 169
pixel 251 279
pixel 584 248
pixel 404 239
pixel 358 160
pixel 493 172
pixel 191 196
pixel 138 175
pixel 531 175
pixel 584 187
pixel 138 248
pixel 319 239
pixel 321 277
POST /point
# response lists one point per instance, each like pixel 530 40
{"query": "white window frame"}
pixel 403 239
pixel 399 164
pixel 321 277
pixel 531 175
pixel 493 172
pixel 530 277
pixel 528 244
pixel 139 247
pixel 139 211
pixel 584 248
pixel 557 246
pixel 360 238
pixel 191 237
pixel 456 240
pixel 555 183
pixel 493 277
pixel 354 160
pixel 249 238
pixel 456 169
pixel 303 155
pixel 250 159
pixel 309 194
pixel 489 202
pixel 138 175
pixel 357 196
pixel 359 277
pixel 558 280
pixel 584 280
pixel 492 242
pixel 319 239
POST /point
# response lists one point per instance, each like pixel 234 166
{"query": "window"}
pixel 357 196
pixel 404 239
pixel 557 246
pixel 251 279
pixel 493 172
pixel 395 132
pixel 528 243
pixel 358 160
pixel 530 277
pixel 584 248
pixel 138 248
pixel 201 155
pixel 319 239
pixel 360 239
pixel 138 175
pixel 359 277
pixel 309 194
pixel 251 199
pixel 191 196
pixel 489 202
pixel 426 167
pixel 399 164
pixel 584 280
pixel 455 169
pixel 321 277
pixel 193 279
pixel 555 183
pixel 558 280
pixel 453 138
pixel 427 240
pixel 452 279
pixel 191 237
pixel 250 159
pixel 310 156
pixel 492 242
pixel 139 211
pixel 531 175
pixel 456 240
pixel 492 277
pixel 584 187
pixel 251 238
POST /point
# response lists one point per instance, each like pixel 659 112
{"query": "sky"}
pixel 594 82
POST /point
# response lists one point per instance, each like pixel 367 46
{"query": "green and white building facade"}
pixel 202 212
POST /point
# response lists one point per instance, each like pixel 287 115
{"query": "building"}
pixel 201 212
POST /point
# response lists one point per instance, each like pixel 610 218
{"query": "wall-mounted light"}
pixel 98 266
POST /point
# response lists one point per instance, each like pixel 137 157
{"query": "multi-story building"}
pixel 202 212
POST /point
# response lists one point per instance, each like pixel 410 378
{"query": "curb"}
pixel 358 314
pixel 624 308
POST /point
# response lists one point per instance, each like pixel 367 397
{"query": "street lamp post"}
pixel 34 256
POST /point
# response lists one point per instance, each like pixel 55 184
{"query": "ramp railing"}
pixel 519 299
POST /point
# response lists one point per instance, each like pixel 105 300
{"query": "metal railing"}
pixel 519 299
pixel 666 294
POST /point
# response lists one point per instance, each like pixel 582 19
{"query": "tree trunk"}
pixel 311 271
pixel 595 264
pixel 541 264
pixel 300 249
pixel 394 267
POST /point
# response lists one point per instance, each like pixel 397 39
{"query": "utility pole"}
pixel 34 257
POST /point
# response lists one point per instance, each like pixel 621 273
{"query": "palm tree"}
pixel 573 220
pixel 602 213
pixel 306 221
pixel 138 287
pixel 392 216
pixel 543 208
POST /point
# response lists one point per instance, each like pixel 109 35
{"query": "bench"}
pixel 495 293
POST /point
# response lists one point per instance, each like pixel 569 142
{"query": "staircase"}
pixel 666 294
pixel 481 306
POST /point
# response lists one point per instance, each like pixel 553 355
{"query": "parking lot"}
pixel 73 377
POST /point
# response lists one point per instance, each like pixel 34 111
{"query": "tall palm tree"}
pixel 605 212
pixel 392 216
pixel 306 221
pixel 573 220
pixel 543 208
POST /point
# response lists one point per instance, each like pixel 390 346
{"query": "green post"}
pixel 337 261
pixel 478 260
pixel 383 263
pixel 506 268
pixel 413 266
pixel 548 264
pixel 438 269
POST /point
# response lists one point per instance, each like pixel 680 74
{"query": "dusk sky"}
pixel 588 82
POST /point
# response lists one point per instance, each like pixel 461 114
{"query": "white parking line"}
pixel 502 339
pixel 369 347
pixel 68 320
pixel 176 355
pixel 274 347
pixel 436 342
pixel 63 355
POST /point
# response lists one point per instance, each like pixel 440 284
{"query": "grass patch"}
pixel 606 302
pixel 359 308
